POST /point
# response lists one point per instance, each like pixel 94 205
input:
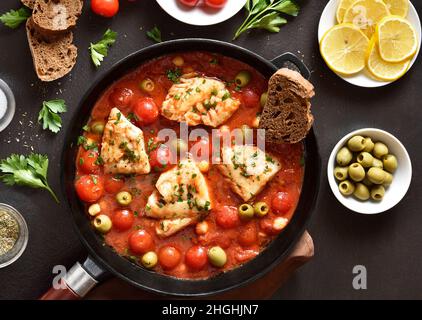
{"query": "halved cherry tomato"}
pixel 196 257
pixel 248 235
pixel 113 184
pixel 105 8
pixel 89 188
pixel 169 257
pixel 227 217
pixel 189 3
pixel 88 161
pixel 140 241
pixel 250 98
pixel 281 203
pixel 123 219
pixel 160 158
pixel 145 110
pixel 121 97
pixel 217 4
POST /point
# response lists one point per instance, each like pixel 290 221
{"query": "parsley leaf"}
pixel 49 114
pixel 99 50
pixel 267 14
pixel 30 171
pixel 154 34
pixel 14 18
pixel 174 75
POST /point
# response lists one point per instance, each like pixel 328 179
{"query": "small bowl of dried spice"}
pixel 13 235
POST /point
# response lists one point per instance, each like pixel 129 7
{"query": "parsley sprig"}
pixel 30 171
pixel 14 18
pixel 155 34
pixel 99 50
pixel 49 114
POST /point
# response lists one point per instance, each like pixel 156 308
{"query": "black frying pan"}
pixel 103 261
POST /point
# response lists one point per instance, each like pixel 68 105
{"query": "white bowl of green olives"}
pixel 369 171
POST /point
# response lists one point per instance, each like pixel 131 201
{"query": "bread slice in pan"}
pixel 56 16
pixel 53 56
pixel 287 116
pixel 29 3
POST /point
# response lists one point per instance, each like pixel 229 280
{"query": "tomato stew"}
pixel 116 203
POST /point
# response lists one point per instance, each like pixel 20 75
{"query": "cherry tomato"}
pixel 121 97
pixel 140 242
pixel 145 110
pixel 123 220
pixel 196 257
pixel 105 8
pixel 189 3
pixel 217 4
pixel 89 188
pixel 160 158
pixel 266 225
pixel 248 235
pixel 227 217
pixel 88 161
pixel 169 257
pixel 113 184
pixel 281 203
pixel 250 98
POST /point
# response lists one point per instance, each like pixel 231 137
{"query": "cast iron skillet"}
pixel 104 261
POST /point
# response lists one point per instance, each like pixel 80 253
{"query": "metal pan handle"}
pixel 281 60
pixel 77 282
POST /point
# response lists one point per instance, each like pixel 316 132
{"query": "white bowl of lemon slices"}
pixel 369 43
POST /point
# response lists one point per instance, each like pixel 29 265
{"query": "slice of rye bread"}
pixel 56 16
pixel 286 116
pixel 53 56
pixel 29 3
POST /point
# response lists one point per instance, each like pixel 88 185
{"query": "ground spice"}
pixel 9 232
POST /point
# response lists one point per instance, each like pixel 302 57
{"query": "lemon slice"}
pixel 381 70
pixel 343 48
pixel 398 7
pixel 365 14
pixel 397 39
pixel 342 8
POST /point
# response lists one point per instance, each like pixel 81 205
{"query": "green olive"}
pixel 356 172
pixel 102 223
pixel 367 182
pixel 147 85
pixel 380 150
pixel 388 179
pixel 369 144
pixel 179 146
pixel 243 78
pixel 149 260
pixel 376 175
pixel 344 156
pixel 261 209
pixel 361 192
pixel 377 163
pixel 365 159
pixel 346 188
pixel 341 173
pixel 264 98
pixel 246 211
pixel 217 257
pixel 124 198
pixel 377 193
pixel 356 143
pixel 98 127
pixel 390 163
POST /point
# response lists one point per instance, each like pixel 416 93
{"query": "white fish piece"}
pixel 123 146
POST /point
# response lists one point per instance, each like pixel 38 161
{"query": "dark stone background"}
pixel 389 245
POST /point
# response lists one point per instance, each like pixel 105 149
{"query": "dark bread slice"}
pixel 56 16
pixel 287 117
pixel 53 56
pixel 29 3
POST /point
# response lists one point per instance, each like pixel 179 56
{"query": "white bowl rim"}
pixel 334 185
pixel 374 83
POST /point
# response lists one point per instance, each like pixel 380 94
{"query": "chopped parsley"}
pixel 174 75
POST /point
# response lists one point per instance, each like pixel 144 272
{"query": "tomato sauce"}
pixel 242 242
